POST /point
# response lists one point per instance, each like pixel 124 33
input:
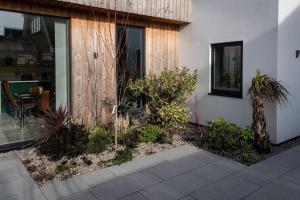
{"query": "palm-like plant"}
pixel 264 87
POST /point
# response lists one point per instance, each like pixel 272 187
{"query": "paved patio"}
pixel 184 173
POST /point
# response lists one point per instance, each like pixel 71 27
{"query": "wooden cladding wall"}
pixel 93 68
pixel 93 80
pixel 179 10
pixel 161 47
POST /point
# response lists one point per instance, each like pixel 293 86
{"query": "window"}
pixel 36 24
pixel 130 65
pixel 34 52
pixel 227 62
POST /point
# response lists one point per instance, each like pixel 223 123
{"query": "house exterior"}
pixel 75 42
pixel 254 34
pixel 75 47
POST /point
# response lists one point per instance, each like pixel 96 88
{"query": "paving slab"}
pixel 293 175
pixel 81 196
pixel 287 159
pixel 135 165
pixel 15 187
pixel 188 198
pixel 166 171
pixel 60 189
pixel 135 196
pixel 124 186
pixel 205 157
pixel 34 194
pixel 186 183
pixel 277 190
pixel 268 170
pixel 179 152
pixel 230 188
pixel 161 191
pixel 116 189
pixel 218 170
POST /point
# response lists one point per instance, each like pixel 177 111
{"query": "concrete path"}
pixel 184 173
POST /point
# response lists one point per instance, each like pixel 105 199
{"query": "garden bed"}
pixel 275 149
pixel 43 170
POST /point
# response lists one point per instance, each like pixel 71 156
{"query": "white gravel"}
pixel 43 170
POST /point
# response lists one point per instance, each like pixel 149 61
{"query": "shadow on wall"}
pixel 289 69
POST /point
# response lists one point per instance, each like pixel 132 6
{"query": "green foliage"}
pixel 221 135
pixel 247 135
pixel 172 86
pixel 174 116
pixel 245 153
pixel 63 168
pixel 68 141
pixel 268 88
pixel 166 95
pixel 230 138
pixel 130 140
pixel 122 156
pixel 99 138
pixel 150 133
pixel 264 87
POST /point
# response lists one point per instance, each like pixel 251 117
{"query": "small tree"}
pixel 264 88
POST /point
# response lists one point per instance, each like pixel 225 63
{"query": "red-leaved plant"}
pixel 57 119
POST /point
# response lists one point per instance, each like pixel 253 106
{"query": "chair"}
pixel 44 100
pixel 14 103
pixel 43 97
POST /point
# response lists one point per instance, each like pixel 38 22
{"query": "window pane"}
pixel 227 68
pixel 130 46
pixel 34 54
pixel 61 64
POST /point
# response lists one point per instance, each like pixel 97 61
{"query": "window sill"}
pixel 236 96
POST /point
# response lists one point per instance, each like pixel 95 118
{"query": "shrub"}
pixel 172 86
pixel 150 133
pixel 247 135
pixel 99 138
pixel 166 95
pixel 68 141
pixel 222 135
pixel 174 116
pixel 245 153
pixel 122 156
pixel 130 140
pixel 231 139
pixel 57 119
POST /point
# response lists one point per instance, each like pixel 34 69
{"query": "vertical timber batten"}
pixel 92 79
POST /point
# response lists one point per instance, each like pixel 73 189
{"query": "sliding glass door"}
pixel 34 53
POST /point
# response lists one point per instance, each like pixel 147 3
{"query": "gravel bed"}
pixel 44 171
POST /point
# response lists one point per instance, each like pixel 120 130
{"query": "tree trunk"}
pixel 261 140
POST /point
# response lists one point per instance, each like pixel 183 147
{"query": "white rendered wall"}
pixel 252 21
pixel 288 125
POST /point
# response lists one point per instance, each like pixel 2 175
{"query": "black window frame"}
pixel 143 57
pixel 226 93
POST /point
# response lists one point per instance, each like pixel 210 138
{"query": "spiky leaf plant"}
pixel 57 119
pixel 264 88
